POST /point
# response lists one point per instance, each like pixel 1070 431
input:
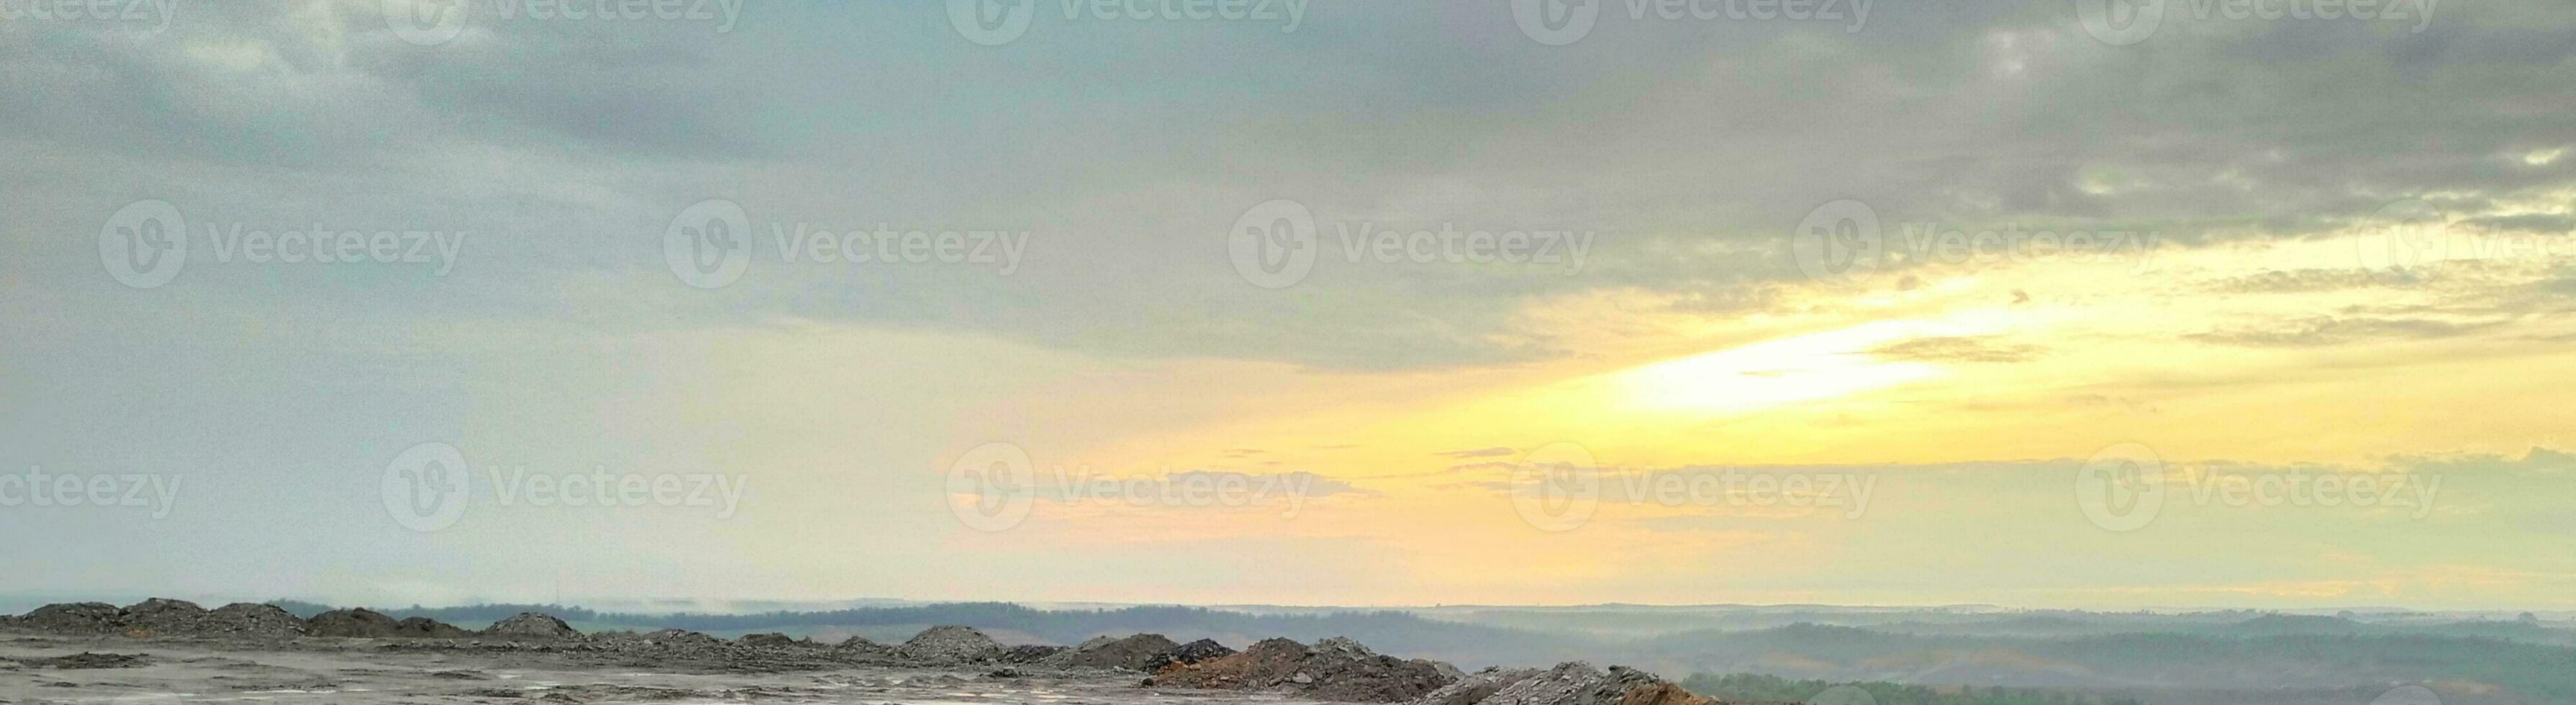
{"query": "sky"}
pixel 2051 304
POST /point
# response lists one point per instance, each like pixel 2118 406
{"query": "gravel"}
pixel 951 644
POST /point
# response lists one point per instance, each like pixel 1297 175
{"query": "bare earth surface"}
pixel 108 669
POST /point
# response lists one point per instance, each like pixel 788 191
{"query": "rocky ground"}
pixel 168 649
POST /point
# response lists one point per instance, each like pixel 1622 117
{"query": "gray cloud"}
pixel 1958 349
pixel 2328 330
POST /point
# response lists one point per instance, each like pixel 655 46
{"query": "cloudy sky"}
pixel 1322 302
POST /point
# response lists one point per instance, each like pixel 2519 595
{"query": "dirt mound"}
pixel 1197 651
pixel 1344 670
pixel 1475 687
pixel 951 644
pixel 365 623
pixel 1581 684
pixel 1268 663
pixel 75 618
pixel 534 626
pixel 772 640
pixel 252 620
pixel 1142 652
pixel 1333 669
pixel 160 616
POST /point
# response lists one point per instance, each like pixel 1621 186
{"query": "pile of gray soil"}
pixel 1142 652
pixel 74 618
pixel 1567 684
pixel 532 626
pixel 859 648
pixel 159 616
pixel 365 623
pixel 951 644
pixel 1334 669
pixel 770 640
pixel 248 619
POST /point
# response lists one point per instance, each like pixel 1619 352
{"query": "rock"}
pixel 1141 652
pixel 75 618
pixel 951 644
pixel 249 619
pixel 160 616
pixel 532 626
